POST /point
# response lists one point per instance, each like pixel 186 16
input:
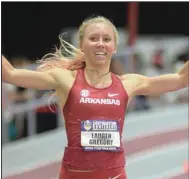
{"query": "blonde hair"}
pixel 68 56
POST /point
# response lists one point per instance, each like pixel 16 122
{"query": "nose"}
pixel 100 43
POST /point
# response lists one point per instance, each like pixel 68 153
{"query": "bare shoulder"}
pixel 132 76
pixel 64 77
pixel 131 82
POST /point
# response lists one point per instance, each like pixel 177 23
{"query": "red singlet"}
pixel 94 121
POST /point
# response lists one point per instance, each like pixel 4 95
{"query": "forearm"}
pixel 184 74
pixel 159 84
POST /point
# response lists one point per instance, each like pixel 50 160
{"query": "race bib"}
pixel 100 135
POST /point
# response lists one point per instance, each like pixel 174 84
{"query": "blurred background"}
pixel 154 40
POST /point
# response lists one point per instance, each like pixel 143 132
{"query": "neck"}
pixel 98 76
pixel 99 69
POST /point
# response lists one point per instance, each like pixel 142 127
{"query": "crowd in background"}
pixel 47 120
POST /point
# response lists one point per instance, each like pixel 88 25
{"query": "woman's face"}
pixel 98 43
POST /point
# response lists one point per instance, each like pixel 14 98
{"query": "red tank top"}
pixel 94 121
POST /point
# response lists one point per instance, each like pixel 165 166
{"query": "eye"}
pixel 107 39
pixel 93 38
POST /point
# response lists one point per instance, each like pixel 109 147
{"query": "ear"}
pixel 115 51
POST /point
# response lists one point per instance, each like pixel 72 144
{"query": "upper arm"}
pixel 158 85
pixel 32 79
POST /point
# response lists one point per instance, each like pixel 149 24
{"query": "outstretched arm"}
pixel 27 78
pixel 161 84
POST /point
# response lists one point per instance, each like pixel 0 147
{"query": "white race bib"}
pixel 100 135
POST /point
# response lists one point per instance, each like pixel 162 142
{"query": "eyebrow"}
pixel 98 34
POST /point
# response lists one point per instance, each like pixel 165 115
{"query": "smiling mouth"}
pixel 100 53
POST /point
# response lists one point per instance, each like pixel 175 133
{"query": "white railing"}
pixel 29 109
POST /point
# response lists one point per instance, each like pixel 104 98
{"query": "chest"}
pixel 103 102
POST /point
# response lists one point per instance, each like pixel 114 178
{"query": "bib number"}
pixel 100 135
